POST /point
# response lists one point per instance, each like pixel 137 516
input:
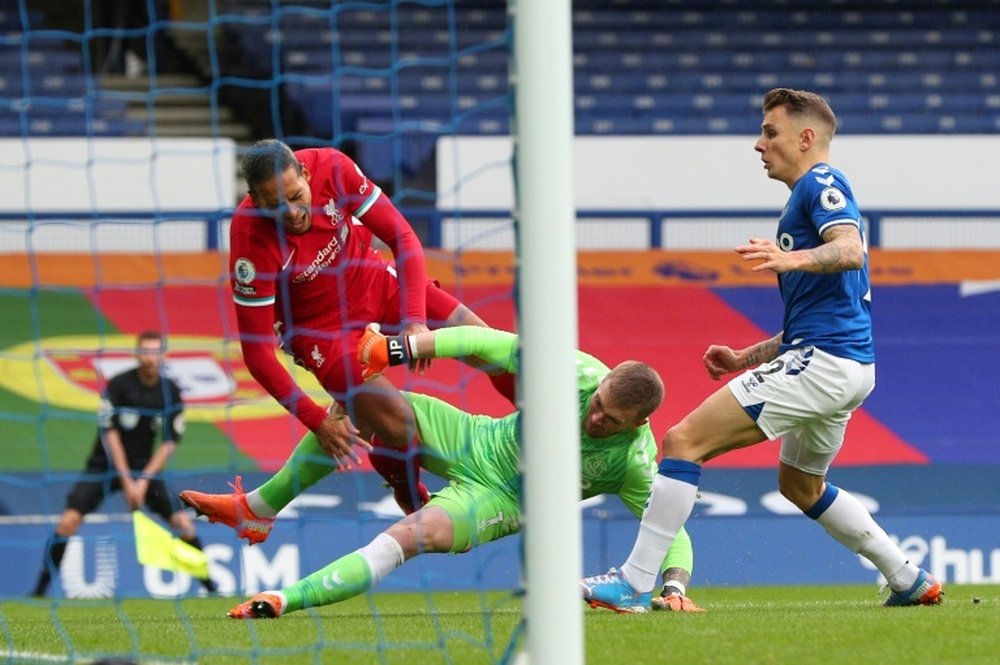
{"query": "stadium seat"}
pixel 676 68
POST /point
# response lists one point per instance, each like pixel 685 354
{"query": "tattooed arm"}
pixel 841 250
pixel 721 360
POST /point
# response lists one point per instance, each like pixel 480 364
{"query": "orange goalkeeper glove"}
pixel 376 351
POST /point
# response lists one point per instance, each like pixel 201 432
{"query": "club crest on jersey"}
pixel 336 216
pixel 833 199
pixel 244 271
pixel 317 356
pixel 594 467
pixel 364 180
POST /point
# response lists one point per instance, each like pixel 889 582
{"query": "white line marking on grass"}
pixel 93 518
pixel 36 657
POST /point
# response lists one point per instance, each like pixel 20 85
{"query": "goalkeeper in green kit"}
pixel 479 455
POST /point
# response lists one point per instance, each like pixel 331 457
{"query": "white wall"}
pixel 660 173
pixel 105 175
pixel 115 174
pixel 724 173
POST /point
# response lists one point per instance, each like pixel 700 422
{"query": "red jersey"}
pixel 317 282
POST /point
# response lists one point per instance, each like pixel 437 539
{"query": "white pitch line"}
pixel 36 657
pixel 94 518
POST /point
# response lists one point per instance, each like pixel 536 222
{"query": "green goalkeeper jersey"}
pixel 622 464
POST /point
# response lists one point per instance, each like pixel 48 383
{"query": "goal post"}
pixel 542 80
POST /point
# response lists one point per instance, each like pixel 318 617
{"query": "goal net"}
pixel 122 127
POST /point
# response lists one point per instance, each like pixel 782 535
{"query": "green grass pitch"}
pixel 836 624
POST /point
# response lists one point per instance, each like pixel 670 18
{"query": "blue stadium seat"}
pixel 672 67
pixel 70 126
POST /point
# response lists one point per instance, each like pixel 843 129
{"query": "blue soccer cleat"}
pixel 612 592
pixel 925 591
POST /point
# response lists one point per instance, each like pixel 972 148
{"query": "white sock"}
pixel 847 520
pixel 384 555
pixel 259 507
pixel 674 585
pixel 670 504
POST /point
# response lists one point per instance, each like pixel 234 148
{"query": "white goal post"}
pixel 542 80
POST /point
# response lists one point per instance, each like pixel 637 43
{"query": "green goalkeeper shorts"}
pixel 478 455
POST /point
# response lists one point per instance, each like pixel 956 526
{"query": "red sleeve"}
pixel 389 225
pixel 363 199
pixel 256 340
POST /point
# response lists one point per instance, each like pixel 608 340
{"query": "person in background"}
pixel 137 405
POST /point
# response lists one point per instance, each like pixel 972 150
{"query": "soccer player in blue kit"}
pixel 800 386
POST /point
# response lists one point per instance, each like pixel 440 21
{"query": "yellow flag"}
pixel 157 547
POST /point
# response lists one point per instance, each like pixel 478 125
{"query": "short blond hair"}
pixel 636 385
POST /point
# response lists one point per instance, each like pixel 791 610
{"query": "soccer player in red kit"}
pixel 302 266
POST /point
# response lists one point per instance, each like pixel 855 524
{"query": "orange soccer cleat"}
pixel 264 605
pixel 231 510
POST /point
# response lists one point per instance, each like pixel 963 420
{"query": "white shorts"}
pixel 805 397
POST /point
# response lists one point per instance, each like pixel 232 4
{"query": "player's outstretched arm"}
pixel 497 348
pixel 720 360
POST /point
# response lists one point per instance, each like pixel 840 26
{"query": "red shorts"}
pixel 332 356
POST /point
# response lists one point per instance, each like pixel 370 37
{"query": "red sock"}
pixel 505 384
pixel 401 470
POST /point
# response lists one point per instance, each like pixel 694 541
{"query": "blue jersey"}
pixel 831 312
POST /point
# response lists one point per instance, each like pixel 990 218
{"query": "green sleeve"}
pixel 496 347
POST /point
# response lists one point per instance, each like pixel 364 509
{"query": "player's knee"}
pixel 427 530
pixel 802 496
pixel 392 429
pixel 677 442
pixel 439 530
pixel 389 418
pixel 439 539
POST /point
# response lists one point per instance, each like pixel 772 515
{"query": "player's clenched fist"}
pixel 376 351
